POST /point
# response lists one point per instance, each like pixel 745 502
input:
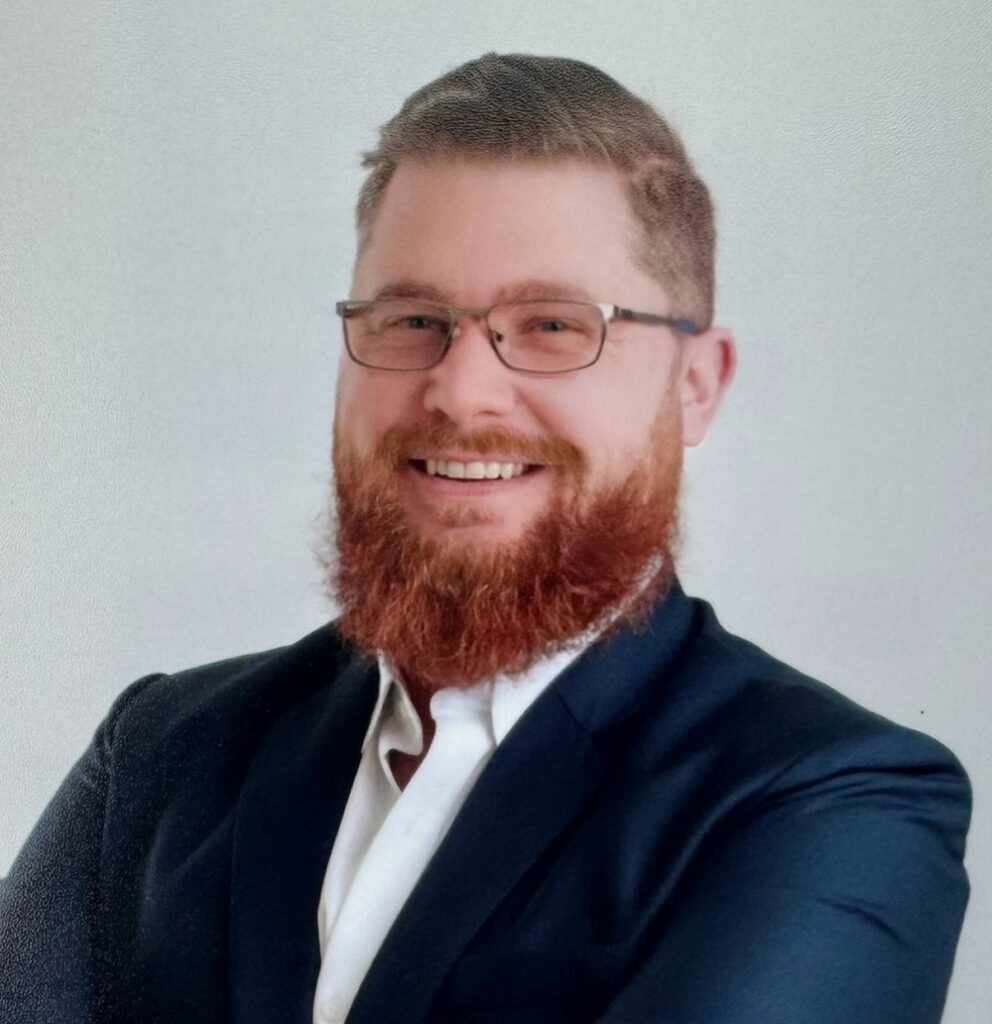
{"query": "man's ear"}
pixel 708 363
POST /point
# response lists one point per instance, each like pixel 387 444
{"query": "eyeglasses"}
pixel 537 336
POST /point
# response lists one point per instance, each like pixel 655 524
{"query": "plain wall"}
pixel 176 191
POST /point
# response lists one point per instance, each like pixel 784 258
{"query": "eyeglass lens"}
pixel 410 334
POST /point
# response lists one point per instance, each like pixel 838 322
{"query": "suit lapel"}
pixel 528 792
pixel 286 820
pixel 537 781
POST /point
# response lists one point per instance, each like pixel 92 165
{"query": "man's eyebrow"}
pixel 408 288
pixel 518 291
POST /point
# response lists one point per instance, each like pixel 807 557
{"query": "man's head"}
pixel 517 178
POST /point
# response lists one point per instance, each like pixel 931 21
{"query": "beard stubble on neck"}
pixel 455 614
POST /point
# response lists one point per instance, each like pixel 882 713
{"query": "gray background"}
pixel 176 188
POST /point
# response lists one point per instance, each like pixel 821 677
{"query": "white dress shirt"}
pixel 388 835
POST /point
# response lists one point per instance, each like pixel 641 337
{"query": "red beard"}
pixel 456 615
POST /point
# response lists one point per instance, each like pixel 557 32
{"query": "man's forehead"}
pixel 446 190
pixel 474 233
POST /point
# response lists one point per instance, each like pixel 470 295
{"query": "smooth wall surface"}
pixel 176 190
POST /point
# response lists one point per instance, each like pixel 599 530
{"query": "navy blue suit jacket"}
pixel 680 829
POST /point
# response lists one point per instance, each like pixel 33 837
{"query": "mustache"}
pixel 399 444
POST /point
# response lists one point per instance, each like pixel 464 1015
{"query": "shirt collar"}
pixel 396 723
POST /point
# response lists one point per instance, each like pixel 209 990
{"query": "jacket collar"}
pixel 285 821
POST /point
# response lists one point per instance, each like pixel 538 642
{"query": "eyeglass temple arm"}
pixel 680 324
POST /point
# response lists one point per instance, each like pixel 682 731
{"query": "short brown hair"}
pixel 518 106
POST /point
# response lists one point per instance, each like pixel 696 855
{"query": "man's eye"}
pixel 414 323
pixel 547 326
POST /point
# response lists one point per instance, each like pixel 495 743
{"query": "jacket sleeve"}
pixel 839 898
pixel 49 902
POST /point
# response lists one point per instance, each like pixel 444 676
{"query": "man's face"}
pixel 459 579
pixel 473 234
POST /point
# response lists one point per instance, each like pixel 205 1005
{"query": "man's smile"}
pixel 458 469
pixel 446 477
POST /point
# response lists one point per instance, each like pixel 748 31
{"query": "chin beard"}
pixel 458 614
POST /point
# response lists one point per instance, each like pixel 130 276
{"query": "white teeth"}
pixel 474 470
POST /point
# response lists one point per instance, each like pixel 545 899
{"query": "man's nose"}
pixel 470 382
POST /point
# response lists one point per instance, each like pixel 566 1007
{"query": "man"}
pixel 523 777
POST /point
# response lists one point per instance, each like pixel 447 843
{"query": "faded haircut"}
pixel 522 107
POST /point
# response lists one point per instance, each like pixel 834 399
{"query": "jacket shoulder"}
pixel 768 719
pixel 224 702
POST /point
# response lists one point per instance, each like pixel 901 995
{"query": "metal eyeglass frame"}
pixel 347 308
